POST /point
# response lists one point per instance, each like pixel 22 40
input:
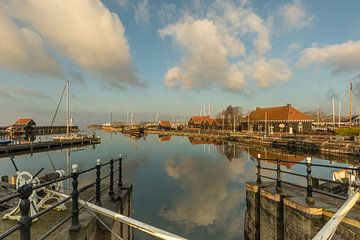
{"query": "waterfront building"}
pixel 283 119
pixel 164 125
pixel 198 121
pixel 22 126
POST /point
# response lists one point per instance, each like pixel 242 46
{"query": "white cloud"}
pixel 23 50
pixel 214 53
pixel 166 12
pixel 268 72
pixel 337 57
pixel 83 31
pixel 142 14
pixel 17 92
pixel 122 3
pixel 206 55
pixel 295 15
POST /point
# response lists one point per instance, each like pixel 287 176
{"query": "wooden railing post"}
pixel 278 176
pixel 309 190
pixel 258 180
pixel 25 219
pixel 111 188
pixel 75 224
pixel 120 183
pixel 98 182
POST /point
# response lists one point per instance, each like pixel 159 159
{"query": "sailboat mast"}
pixel 350 112
pixel 67 109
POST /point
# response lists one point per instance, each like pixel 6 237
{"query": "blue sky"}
pixel 170 57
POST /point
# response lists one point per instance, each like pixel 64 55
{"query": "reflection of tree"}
pixel 213 195
pixel 229 150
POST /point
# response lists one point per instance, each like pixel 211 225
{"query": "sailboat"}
pixel 69 136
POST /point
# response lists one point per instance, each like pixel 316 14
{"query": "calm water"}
pixel 194 190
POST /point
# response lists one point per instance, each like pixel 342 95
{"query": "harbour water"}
pixel 191 188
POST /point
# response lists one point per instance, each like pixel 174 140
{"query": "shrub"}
pixel 354 131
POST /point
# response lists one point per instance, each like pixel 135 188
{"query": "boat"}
pixel 5 142
pixel 70 136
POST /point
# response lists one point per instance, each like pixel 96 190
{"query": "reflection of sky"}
pixel 190 190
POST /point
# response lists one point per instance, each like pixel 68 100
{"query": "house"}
pixel 164 125
pixel 198 121
pixel 286 119
pixel 22 126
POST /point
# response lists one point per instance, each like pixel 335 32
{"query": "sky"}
pixel 172 57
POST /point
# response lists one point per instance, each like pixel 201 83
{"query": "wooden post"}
pixel 25 219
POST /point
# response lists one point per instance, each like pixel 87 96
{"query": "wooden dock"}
pixel 45 146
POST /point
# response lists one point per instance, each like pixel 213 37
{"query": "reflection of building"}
pixel 199 141
pixel 277 119
pixel 22 126
pixel 164 138
pixel 280 156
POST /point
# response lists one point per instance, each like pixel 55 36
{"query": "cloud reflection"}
pixel 214 194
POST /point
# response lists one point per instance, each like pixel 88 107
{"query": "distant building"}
pixel 284 119
pixel 164 125
pixel 22 126
pixel 198 121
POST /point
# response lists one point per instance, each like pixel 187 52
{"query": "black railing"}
pixel 310 189
pixel 25 191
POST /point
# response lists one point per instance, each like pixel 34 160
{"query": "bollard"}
pixel 278 176
pixel 75 225
pixel 120 183
pixel 25 219
pixel 258 180
pixel 309 190
pixel 98 182
pixel 111 188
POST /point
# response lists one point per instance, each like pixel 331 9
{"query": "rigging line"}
pixel 57 108
pixel 52 164
pixel 106 226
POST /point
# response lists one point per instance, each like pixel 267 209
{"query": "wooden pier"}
pixel 44 146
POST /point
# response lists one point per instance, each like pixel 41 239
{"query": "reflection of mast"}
pixel 67 170
pixel 350 113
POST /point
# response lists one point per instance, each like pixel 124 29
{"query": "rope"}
pixel 108 228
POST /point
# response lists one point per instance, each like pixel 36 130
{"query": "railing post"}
pixel 120 183
pixel 111 189
pixel 98 182
pixel 258 180
pixel 278 176
pixel 309 190
pixel 25 219
pixel 75 224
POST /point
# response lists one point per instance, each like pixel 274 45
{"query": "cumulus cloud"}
pixel 23 50
pixel 295 15
pixel 85 32
pixel 337 57
pixel 214 53
pixel 142 14
pixel 268 72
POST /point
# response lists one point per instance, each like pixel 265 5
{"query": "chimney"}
pixel 288 104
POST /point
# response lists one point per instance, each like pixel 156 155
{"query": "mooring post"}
pixel 98 182
pixel 75 224
pixel 309 189
pixel 25 219
pixel 278 176
pixel 120 183
pixel 258 180
pixel 111 189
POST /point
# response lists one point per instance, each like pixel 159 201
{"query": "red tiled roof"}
pixel 271 155
pixel 164 138
pixel 165 123
pixel 287 112
pixel 199 119
pixel 22 121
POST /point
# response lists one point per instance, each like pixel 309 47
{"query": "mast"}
pixel 339 113
pixel 333 109
pixel 67 109
pixel 350 113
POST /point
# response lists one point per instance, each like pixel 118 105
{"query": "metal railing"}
pixel 24 192
pixel 308 176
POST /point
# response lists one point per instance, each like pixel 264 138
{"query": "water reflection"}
pixel 193 187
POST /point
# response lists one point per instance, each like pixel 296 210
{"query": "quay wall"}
pixel 271 215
